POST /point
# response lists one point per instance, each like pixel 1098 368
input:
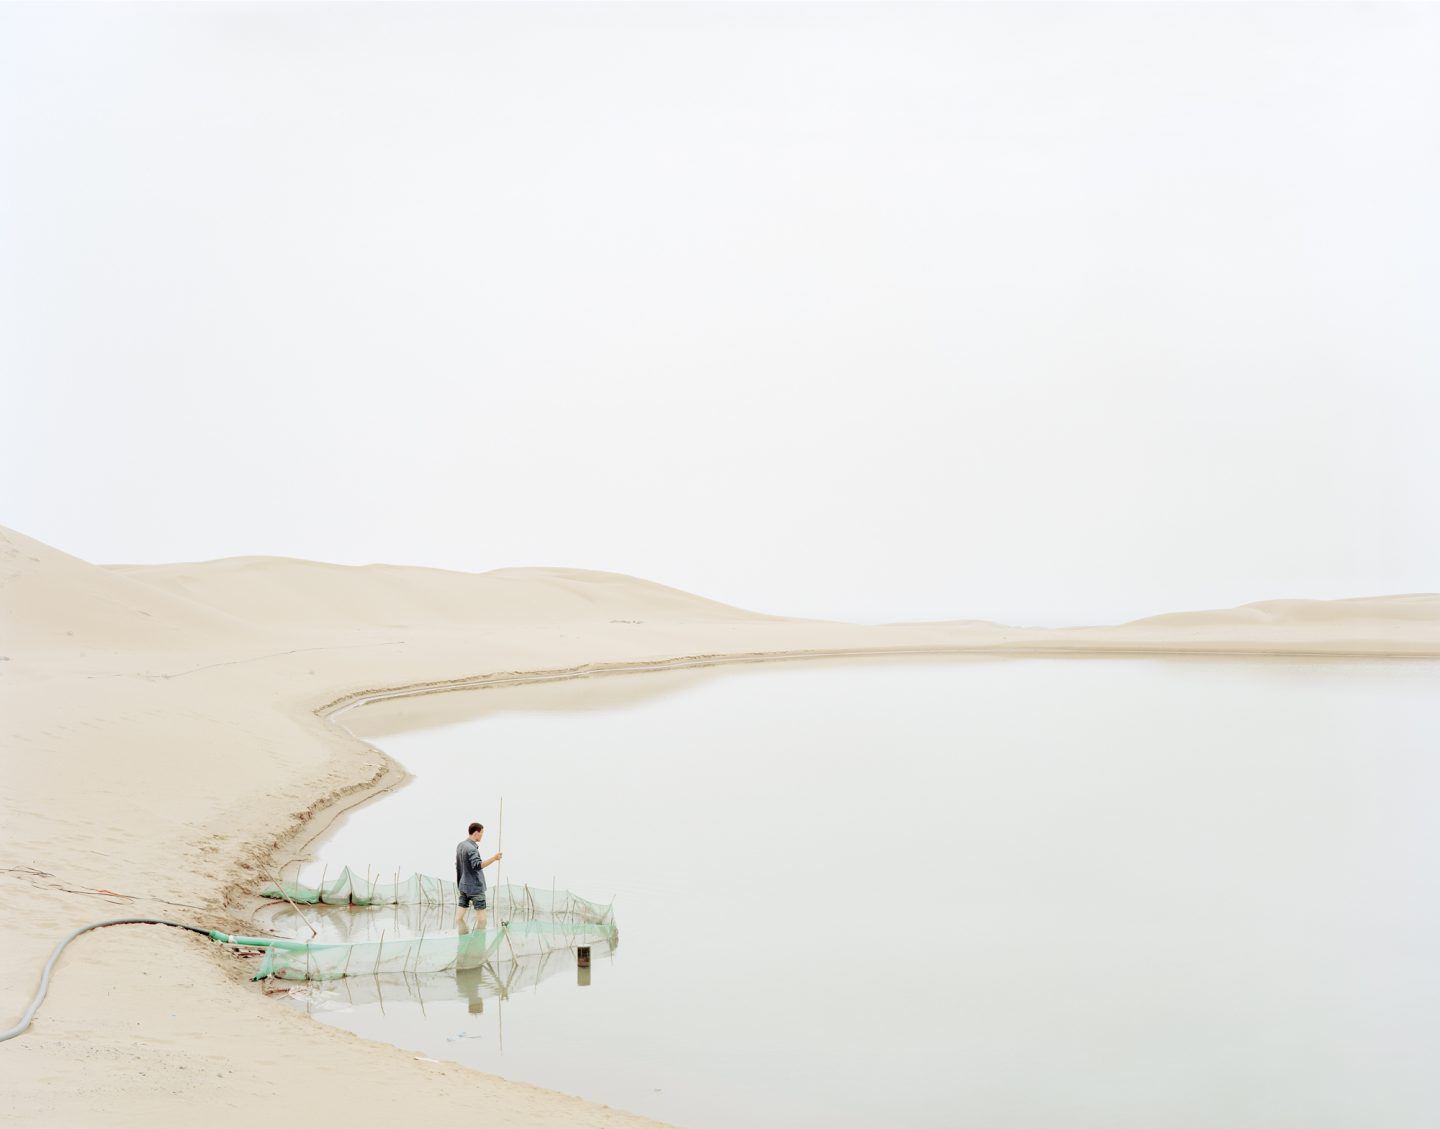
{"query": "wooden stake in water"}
pixel 293 906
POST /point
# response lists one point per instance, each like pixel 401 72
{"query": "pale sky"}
pixel 1037 313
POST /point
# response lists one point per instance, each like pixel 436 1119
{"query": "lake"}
pixel 1002 892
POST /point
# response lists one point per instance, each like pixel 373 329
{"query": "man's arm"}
pixel 496 857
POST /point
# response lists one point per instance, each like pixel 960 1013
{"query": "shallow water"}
pixel 1026 892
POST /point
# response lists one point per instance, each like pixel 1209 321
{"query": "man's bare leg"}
pixel 480 919
pixel 460 926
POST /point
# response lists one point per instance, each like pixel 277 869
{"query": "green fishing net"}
pixel 524 922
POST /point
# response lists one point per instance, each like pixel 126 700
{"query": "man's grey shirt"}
pixel 469 874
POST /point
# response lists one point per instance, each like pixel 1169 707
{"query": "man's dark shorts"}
pixel 468 900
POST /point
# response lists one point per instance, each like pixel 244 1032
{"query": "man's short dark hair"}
pixel 474 827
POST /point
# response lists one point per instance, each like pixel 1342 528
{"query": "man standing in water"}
pixel 470 877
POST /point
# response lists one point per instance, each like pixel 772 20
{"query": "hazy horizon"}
pixel 1035 313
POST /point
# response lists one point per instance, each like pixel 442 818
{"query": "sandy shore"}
pixel 165 740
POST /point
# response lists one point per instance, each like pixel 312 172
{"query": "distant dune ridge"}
pixel 45 592
pixel 1419 606
pixel 286 591
pixel 164 737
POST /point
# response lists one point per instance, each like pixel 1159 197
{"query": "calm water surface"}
pixel 1027 892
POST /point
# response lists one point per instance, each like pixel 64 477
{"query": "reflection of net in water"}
pixel 415 936
pixel 500 979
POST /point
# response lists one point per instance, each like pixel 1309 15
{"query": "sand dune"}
pixel 163 742
pixel 50 597
pixel 1370 625
pixel 283 591
pixel 1421 607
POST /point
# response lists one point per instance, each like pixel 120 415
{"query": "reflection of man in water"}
pixel 470 877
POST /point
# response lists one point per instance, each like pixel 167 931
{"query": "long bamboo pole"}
pixel 499 850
